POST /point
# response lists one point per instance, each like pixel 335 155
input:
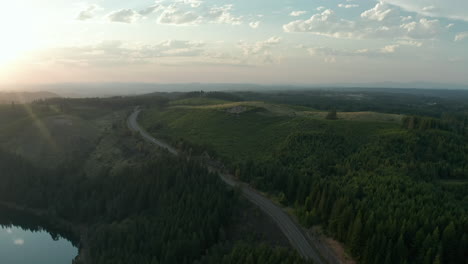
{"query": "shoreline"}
pixel 78 232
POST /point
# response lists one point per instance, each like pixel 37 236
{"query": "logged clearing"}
pixel 248 129
pixel 282 110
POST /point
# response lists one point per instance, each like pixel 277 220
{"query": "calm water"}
pixel 18 246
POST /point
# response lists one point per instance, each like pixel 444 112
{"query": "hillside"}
pixel 75 164
pixel 369 179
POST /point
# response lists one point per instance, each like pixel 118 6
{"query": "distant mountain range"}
pixel 116 89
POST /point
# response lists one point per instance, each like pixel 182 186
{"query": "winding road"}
pixel 287 225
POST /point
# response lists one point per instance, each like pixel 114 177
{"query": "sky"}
pixel 234 41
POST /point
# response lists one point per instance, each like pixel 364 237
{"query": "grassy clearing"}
pixel 198 101
pixel 285 110
pixel 251 134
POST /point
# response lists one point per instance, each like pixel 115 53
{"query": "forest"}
pixel 157 209
pixel 391 192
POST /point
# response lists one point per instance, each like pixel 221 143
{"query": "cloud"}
pixel 325 23
pixel 453 9
pixel 461 36
pixel 297 13
pixel 193 3
pixel 389 49
pixel 114 53
pixel 378 13
pixel 422 29
pixel 408 42
pixel 379 22
pixel 348 5
pixel 168 48
pixel 123 16
pixel 255 24
pixel 330 55
pixel 260 47
pixel 9 231
pixel 222 14
pixel 150 10
pixel 88 13
pixel 18 242
pixel 175 16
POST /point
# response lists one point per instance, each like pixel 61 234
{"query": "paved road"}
pixel 290 229
pixel 133 125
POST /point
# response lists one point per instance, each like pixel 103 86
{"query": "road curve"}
pixel 290 229
pixel 133 125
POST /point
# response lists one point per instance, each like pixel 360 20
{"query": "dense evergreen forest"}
pixel 157 209
pixel 392 195
pixel 433 103
pixel 382 198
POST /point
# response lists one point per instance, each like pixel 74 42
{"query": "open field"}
pixel 252 129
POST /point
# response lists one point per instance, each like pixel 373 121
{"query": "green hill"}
pixel 380 183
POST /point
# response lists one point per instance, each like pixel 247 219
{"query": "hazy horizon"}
pixel 265 42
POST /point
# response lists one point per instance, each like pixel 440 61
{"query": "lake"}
pixel 18 246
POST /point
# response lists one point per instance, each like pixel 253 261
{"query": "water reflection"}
pixel 26 240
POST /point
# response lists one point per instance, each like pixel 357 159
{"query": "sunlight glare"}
pixel 17 29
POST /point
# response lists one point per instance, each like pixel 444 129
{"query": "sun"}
pixel 17 31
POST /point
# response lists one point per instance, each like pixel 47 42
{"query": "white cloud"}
pixel 378 13
pixel 348 5
pixel 88 13
pixel 123 16
pixel 297 13
pixel 18 242
pixel 379 22
pixel 255 24
pixel 325 23
pixel 406 18
pixel 260 47
pixel 175 16
pixel 118 54
pixel 329 55
pixel 389 49
pixel 429 8
pixel 222 14
pixel 193 3
pixel 150 10
pixel 408 42
pixel 461 36
pixel 273 41
pixel 454 9
pixel 422 29
pixel 320 8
